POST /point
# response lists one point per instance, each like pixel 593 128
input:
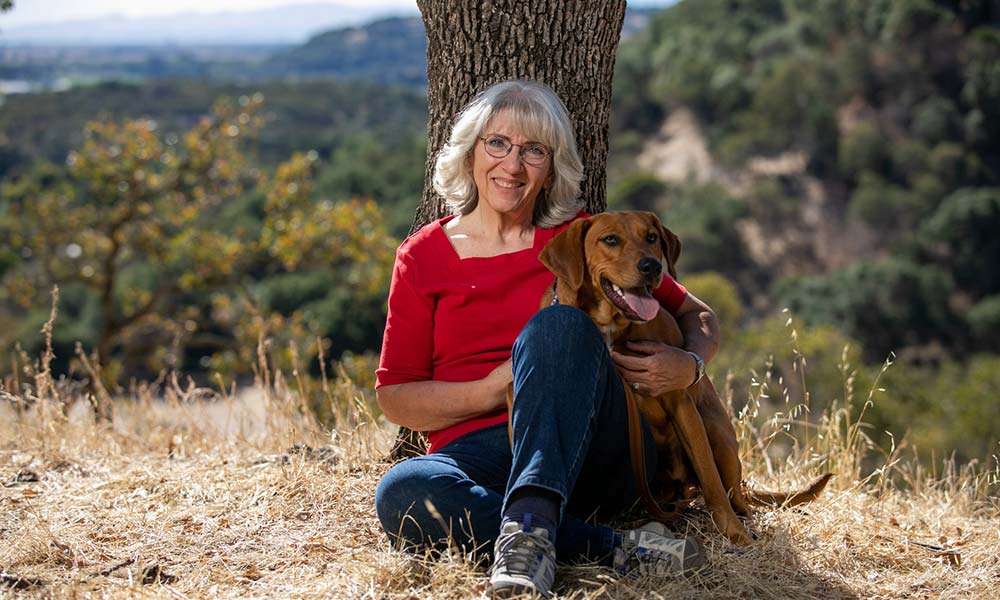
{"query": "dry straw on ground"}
pixel 196 494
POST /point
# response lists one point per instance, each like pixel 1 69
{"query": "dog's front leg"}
pixel 688 421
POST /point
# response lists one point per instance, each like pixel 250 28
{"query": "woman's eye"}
pixel 497 143
pixel 536 151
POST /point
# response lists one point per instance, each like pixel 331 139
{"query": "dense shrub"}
pixel 886 305
pixel 962 237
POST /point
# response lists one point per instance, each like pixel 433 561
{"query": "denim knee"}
pixel 395 497
pixel 421 505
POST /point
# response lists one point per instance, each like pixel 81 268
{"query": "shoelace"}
pixel 649 557
pixel 522 553
pixel 654 560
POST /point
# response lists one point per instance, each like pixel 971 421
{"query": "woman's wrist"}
pixel 699 366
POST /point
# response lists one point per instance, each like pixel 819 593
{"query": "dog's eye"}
pixel 611 240
pixel 652 238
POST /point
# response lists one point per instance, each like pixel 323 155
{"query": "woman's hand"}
pixel 659 369
pixel 498 380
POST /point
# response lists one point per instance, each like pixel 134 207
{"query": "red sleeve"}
pixel 670 294
pixel 408 342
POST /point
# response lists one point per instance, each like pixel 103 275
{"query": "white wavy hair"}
pixel 541 116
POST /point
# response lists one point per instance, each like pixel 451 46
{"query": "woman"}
pixel 463 323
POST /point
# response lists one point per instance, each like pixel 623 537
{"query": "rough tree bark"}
pixel 568 44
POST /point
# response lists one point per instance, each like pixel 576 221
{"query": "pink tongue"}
pixel 643 305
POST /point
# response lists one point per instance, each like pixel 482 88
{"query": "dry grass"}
pixel 244 496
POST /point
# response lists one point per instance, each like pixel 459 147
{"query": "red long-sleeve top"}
pixel 456 319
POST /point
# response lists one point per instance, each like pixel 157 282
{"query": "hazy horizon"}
pixel 28 14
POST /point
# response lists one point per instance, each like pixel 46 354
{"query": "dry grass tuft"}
pixel 193 493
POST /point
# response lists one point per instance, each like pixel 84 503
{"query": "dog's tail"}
pixel 788 499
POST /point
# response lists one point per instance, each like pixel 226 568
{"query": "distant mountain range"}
pixel 284 25
pixel 389 50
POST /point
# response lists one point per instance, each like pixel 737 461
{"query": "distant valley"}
pixel 285 25
pixel 390 50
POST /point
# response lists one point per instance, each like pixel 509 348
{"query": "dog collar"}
pixel 555 292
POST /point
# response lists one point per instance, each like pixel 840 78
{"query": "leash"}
pixel 636 449
pixel 637 456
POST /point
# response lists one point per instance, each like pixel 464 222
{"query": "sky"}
pixel 32 12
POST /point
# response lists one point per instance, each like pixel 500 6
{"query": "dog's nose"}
pixel 650 267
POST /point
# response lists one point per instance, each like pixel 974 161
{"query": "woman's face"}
pixel 508 185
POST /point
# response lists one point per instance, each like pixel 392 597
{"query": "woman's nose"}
pixel 513 161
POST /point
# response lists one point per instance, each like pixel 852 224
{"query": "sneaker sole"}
pixel 516 591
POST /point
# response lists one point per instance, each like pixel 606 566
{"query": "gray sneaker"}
pixel 524 561
pixel 653 550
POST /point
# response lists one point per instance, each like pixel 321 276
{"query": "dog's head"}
pixel 609 264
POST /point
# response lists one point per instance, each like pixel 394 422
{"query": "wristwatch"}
pixel 699 367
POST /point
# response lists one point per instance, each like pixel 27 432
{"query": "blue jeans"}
pixel 570 437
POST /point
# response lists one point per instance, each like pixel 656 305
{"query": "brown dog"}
pixel 607 266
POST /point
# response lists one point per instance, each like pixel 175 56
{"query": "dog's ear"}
pixel 671 246
pixel 564 255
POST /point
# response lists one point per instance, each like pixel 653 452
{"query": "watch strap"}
pixel 699 365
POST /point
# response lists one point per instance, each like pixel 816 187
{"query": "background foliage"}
pixel 181 236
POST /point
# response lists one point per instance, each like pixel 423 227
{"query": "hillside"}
pixel 390 50
pixel 386 51
pixel 318 115
pixel 846 143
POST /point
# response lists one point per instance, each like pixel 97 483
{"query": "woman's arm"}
pixel 700 328
pixel 433 405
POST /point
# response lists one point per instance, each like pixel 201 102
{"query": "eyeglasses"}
pixel 532 153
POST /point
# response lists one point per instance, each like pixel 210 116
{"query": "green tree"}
pixel 885 206
pixel 704 217
pixel 862 149
pixel 149 234
pixel 961 236
pixel 638 191
pixel 792 108
pixel 981 87
pixel 887 305
pixel 132 220
pixel 984 323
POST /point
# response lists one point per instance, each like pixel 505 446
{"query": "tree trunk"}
pixel 471 44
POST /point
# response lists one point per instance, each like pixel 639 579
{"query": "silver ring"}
pixel 635 386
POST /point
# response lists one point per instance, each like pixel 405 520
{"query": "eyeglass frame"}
pixel 520 153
